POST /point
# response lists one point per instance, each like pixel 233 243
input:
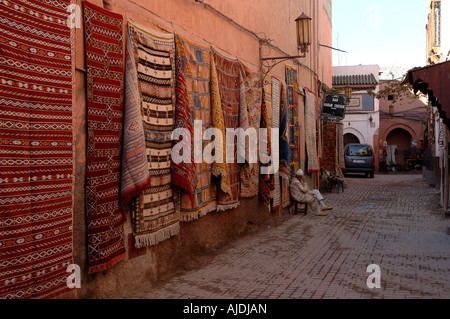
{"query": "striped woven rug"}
pixel 276 103
pixel 310 131
pixel 153 213
pixel 36 149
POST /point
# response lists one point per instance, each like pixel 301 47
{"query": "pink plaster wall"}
pixel 269 19
pixel 415 128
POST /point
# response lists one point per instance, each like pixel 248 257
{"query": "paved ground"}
pixel 393 221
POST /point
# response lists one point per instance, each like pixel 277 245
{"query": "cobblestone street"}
pixel 393 221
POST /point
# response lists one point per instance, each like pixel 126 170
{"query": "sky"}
pixel 389 33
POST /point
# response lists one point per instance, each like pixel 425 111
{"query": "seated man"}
pixel 300 193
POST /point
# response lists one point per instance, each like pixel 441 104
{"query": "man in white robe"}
pixel 301 193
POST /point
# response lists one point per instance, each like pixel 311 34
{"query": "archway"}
pixel 350 138
pixel 399 142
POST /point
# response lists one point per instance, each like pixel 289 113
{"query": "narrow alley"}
pixel 393 221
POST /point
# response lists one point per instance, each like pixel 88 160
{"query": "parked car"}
pixel 359 158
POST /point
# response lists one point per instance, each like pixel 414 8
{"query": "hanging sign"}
pixel 334 106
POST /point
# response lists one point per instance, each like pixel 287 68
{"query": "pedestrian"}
pixel 301 193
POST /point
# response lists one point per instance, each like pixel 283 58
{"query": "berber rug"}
pixel 228 87
pixel 105 96
pixel 293 123
pixel 310 131
pixel 266 181
pixel 276 103
pixel 36 149
pixel 196 64
pixel 250 117
pixel 154 216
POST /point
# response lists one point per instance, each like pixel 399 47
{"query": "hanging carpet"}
pixel 266 181
pixel 36 149
pixel 294 126
pixel 196 64
pixel 311 131
pixel 276 102
pixel 134 171
pixel 183 169
pixel 154 217
pixel 227 86
pixel 329 145
pixel 105 86
pixel 284 150
pixel 250 117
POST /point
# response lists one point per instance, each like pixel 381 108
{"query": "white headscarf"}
pixel 299 172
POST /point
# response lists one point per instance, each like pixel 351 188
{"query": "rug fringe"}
pixel 197 215
pixel 249 195
pixel 222 208
pixel 105 266
pixel 147 240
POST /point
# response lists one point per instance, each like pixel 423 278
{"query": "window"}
pixel 437 24
pixel 358 150
pixel 367 102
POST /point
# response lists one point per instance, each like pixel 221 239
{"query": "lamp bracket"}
pixel 269 63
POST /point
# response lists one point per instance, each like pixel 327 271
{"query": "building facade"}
pixel 402 131
pixel 362 119
pixel 438 32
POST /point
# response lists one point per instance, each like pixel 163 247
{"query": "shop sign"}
pixel 334 106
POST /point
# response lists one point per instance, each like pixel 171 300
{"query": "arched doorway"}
pixel 350 138
pixel 399 146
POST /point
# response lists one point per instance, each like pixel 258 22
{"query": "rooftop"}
pixel 357 81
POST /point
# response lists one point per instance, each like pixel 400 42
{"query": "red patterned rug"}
pixel 36 149
pixel 105 91
pixel 228 88
pixel 266 181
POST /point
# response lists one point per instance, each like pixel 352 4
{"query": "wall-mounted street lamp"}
pixel 303 23
pixel 303 28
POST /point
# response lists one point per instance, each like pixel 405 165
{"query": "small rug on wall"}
pixel 105 93
pixel 154 217
pixel 36 149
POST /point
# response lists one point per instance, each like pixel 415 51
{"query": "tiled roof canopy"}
pixel 359 81
pixel 433 80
